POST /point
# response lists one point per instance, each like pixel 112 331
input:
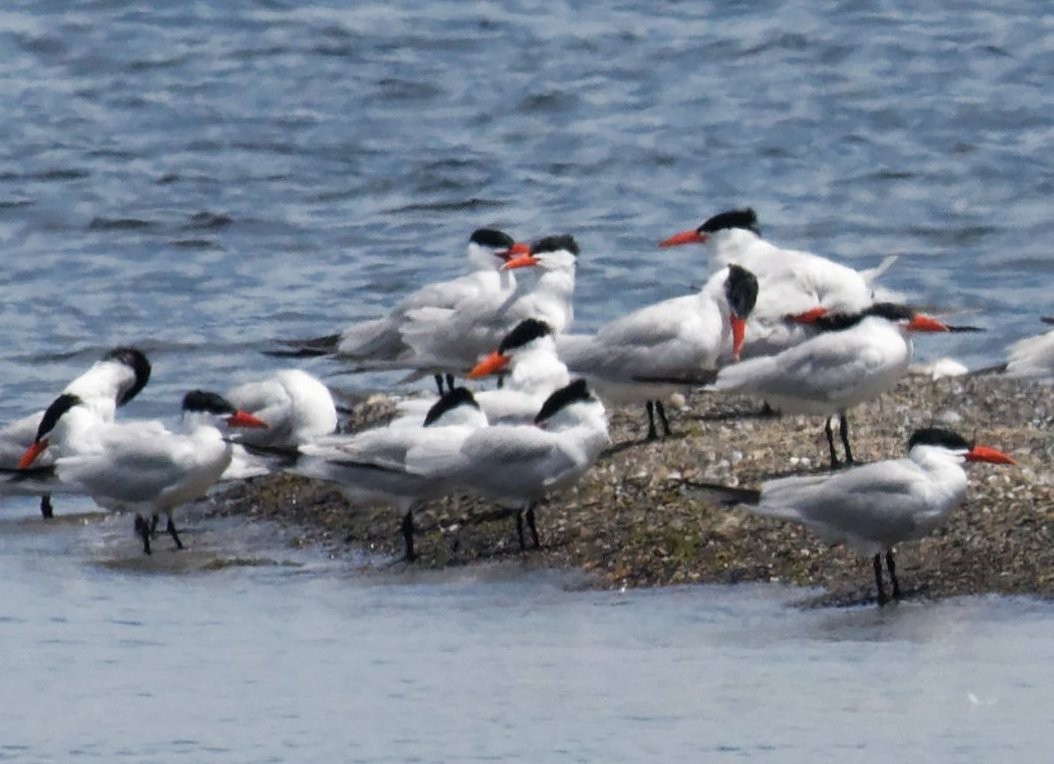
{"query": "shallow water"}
pixel 201 178
pixel 110 656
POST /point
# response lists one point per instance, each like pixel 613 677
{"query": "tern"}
pixel 652 352
pixel 873 507
pixel 854 358
pixel 139 465
pixel 789 281
pixel 452 340
pixel 519 464
pixel 111 382
pixel 297 407
pixel 530 369
pixel 1032 357
pixel 379 341
pixel 371 467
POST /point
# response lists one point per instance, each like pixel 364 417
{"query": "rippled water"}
pixel 201 178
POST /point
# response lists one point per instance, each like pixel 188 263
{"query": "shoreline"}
pixel 632 521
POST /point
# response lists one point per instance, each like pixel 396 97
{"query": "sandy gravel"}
pixel 634 521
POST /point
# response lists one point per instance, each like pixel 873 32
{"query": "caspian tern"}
pixel 1032 357
pixel 789 281
pixel 519 464
pixel 111 382
pixel 527 357
pixel 370 467
pixel 652 352
pixel 451 340
pixel 855 358
pixel 380 341
pixel 138 465
pixel 297 407
pixel 873 507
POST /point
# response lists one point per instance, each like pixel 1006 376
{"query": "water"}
pixel 314 661
pixel 199 179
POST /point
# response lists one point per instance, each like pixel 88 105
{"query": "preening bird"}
pixel 110 383
pixel 789 281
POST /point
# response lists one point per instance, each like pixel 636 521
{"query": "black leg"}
pixel 408 535
pixel 844 431
pixel 439 384
pixel 530 525
pixel 830 442
pixel 449 383
pixel 142 529
pixel 767 410
pixel 662 418
pixel 154 520
pixel 171 528
pixel 501 381
pixel 650 408
pixel 519 528
pixel 878 580
pixel 46 510
pixel 893 573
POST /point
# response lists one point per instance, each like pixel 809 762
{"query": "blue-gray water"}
pixel 200 178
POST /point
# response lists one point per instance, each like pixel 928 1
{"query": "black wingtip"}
pixel 294 352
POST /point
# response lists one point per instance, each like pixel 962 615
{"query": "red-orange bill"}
pixel 522 261
pixel 35 449
pixel 990 455
pixel 244 419
pixel 808 316
pixel 517 250
pixel 739 331
pixel 684 237
pixel 492 364
pixel 921 323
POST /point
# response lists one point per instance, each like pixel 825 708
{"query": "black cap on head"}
pixel 526 331
pixel 491 237
pixel 937 436
pixel 745 218
pixel 136 360
pixel 203 400
pixel 459 396
pixel 555 244
pixel 565 396
pixel 741 289
pixel 54 412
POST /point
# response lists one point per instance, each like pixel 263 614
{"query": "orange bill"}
pixel 517 250
pixel 739 331
pixel 521 261
pixel 921 323
pixel 990 455
pixel 684 237
pixel 492 364
pixel 244 419
pixel 35 449
pixel 808 316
